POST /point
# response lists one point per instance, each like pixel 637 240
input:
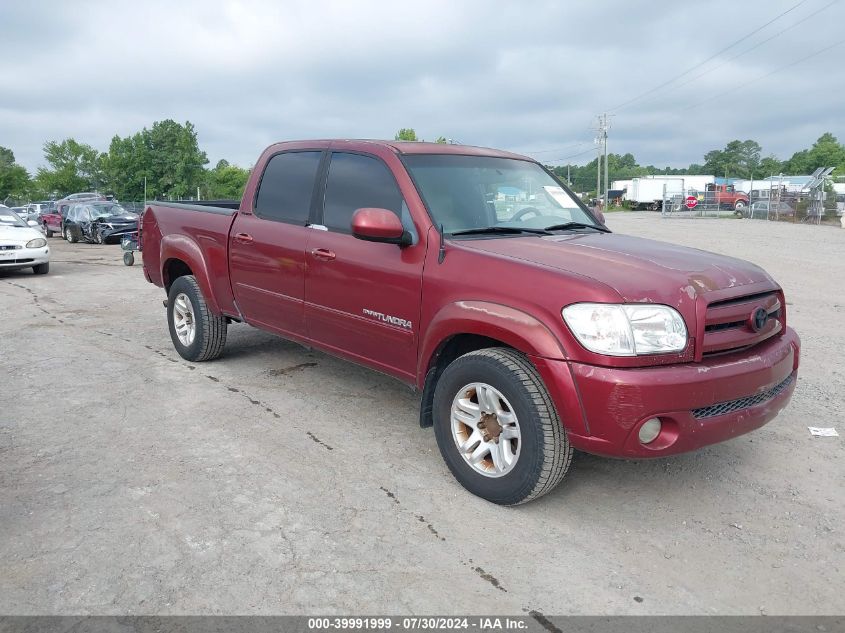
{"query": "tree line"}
pixel 738 159
pixel 168 157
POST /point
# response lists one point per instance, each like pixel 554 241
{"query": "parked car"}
pixel 478 278
pixel 22 245
pixel 773 210
pixel 98 222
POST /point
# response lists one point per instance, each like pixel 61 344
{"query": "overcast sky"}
pixel 527 76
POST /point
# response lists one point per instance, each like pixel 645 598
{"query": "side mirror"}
pixel 32 223
pixel 379 225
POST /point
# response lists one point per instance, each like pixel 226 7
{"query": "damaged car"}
pixel 98 222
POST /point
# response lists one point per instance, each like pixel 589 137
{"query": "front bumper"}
pixel 24 258
pixel 698 403
pixel 118 231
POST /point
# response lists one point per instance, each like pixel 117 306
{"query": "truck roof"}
pixel 406 147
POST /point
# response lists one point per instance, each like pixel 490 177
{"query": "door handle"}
pixel 243 238
pixel 323 254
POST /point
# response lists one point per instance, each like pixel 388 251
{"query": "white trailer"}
pixel 647 192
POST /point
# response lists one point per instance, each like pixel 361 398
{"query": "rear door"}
pixel 363 298
pixel 267 247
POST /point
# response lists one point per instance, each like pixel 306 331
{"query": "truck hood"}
pixel 640 270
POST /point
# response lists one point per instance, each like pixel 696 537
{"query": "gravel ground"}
pixel 281 480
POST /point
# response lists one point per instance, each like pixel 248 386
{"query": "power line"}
pixel 761 77
pixel 712 57
pixel 573 155
pixel 559 149
pixel 758 45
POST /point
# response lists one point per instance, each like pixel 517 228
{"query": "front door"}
pixel 363 298
pixel 267 247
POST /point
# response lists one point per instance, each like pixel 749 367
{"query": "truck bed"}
pixel 184 225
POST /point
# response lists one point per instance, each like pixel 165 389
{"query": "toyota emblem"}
pixel 758 319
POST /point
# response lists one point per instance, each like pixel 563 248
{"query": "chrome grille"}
pixel 723 408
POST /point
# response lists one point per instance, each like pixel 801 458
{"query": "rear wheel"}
pixel 47 231
pixel 497 428
pixel 128 258
pixel 41 269
pixel 70 235
pixel 197 334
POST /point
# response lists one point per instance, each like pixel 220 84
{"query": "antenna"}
pixel 441 255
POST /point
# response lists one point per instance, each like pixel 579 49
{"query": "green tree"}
pixel 739 159
pixel 442 140
pixel 176 163
pixel 167 155
pixel 769 166
pixel 126 165
pixel 73 167
pixel 225 181
pixel 14 179
pixel 406 134
pixel 827 151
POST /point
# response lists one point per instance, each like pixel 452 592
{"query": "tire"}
pixel 70 235
pixel 47 231
pixel 209 337
pixel 739 205
pixel 41 269
pixel 128 258
pixel 98 237
pixel 543 451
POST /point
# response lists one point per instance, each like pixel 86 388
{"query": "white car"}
pixel 22 245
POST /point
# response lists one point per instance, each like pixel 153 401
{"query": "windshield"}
pixel 10 218
pixel 478 192
pixel 106 211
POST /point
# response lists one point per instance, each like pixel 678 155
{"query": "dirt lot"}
pixel 278 480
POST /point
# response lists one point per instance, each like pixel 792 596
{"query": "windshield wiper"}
pixel 576 225
pixel 512 230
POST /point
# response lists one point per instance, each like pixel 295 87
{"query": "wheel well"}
pixel 446 352
pixel 173 269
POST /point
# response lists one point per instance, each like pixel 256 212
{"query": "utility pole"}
pixel 603 127
pixel 568 179
pixel 598 169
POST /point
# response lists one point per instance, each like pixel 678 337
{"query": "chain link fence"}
pixel 773 199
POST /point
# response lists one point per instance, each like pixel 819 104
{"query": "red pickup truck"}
pixel 477 278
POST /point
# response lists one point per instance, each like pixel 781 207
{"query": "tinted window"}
pixel 356 182
pixel 286 187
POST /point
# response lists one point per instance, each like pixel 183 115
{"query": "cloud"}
pixel 520 76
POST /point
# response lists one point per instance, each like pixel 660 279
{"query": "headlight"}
pixel 38 242
pixel 626 329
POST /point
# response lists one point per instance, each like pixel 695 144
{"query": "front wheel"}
pixel 739 206
pixel 47 231
pixel 41 269
pixel 70 236
pixel 497 428
pixel 128 258
pixel 197 334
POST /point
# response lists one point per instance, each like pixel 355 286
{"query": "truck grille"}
pixel 723 408
pixel 729 324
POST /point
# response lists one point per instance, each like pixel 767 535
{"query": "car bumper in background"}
pixel 117 232
pixel 697 404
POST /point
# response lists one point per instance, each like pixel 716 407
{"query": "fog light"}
pixel 650 430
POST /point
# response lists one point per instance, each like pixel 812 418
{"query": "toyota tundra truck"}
pixel 480 280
